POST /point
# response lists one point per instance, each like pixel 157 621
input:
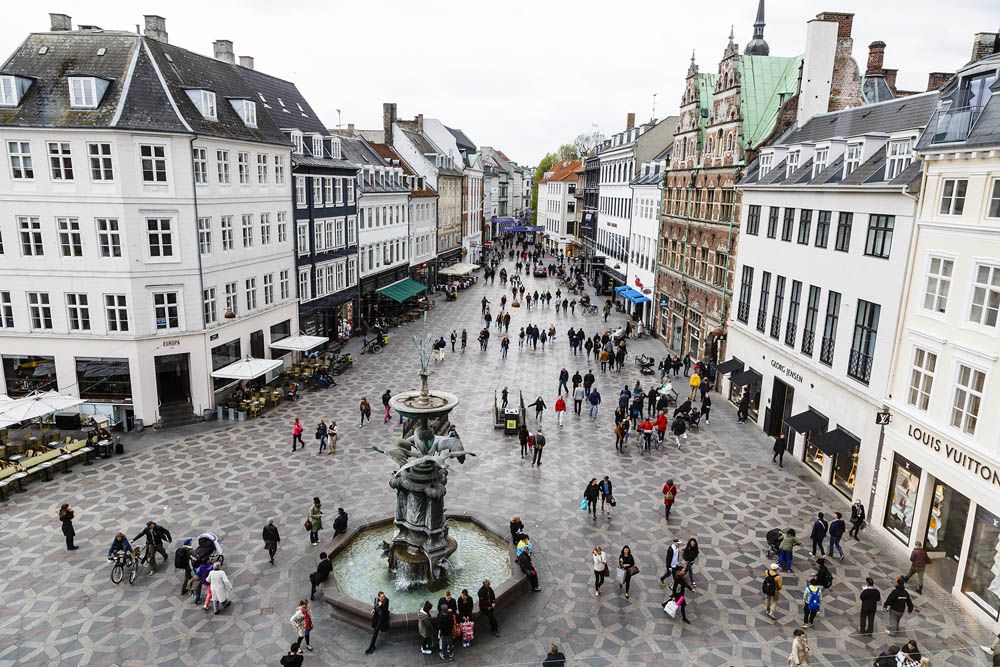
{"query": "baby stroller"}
pixel 773 539
pixel 645 364
pixel 208 549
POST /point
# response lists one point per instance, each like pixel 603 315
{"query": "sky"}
pixel 523 77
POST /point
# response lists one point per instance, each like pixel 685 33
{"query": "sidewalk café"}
pixel 405 304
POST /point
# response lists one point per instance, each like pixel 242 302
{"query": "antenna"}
pixel 654 106
pixel 338 119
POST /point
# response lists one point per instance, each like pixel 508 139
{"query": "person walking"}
pixel 182 561
pixel 271 538
pixel 220 587
pixel 563 382
pixel 743 411
pixel 661 427
pixel 857 519
pixel 66 517
pixel 560 408
pixel 365 409
pixel 465 339
pixel 385 403
pixel 689 554
pixel 380 619
pixel 539 406
pixel 694 383
pixel 425 626
pixel 810 602
pixel 453 338
pixel 554 658
pixel 786 543
pixel 600 569
pixel 607 495
pixel 919 560
pixel 870 597
pixel 315 521
pixel 155 536
pixel 818 535
pixel 594 398
pixel 897 603
pixel 771 588
pixel 323 569
pixel 778 450
pixel 669 496
pixel 628 568
pixel 837 529
pixel 578 395
pixel 301 620
pixel 536 457
pixel 522 436
pixel 297 434
pixel 293 658
pixel 679 428
pixel 590 494
pixel 706 406
pixel 201 583
pixel 487 606
pixel 446 625
pixel 321 435
pixel 801 654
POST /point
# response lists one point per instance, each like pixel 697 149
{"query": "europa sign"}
pixel 957 456
pixel 795 375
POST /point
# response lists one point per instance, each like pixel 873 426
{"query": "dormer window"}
pixel 335 151
pixel 205 101
pixel 765 163
pixel 791 163
pixel 247 111
pixel 852 159
pixel 297 142
pixel 85 92
pixel 898 157
pixel 820 161
pixel 317 146
pixel 12 89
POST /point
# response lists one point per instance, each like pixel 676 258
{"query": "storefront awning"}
pixel 837 441
pixel 401 290
pixel 746 378
pixel 633 295
pixel 460 269
pixel 729 366
pixel 299 343
pixel 247 369
pixel 809 421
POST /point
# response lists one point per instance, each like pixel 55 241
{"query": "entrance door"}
pixel 945 533
pixel 675 344
pixel 781 408
pixel 173 380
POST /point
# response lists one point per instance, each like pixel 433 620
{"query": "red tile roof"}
pixel 563 171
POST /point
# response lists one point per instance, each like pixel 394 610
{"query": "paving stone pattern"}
pixel 60 608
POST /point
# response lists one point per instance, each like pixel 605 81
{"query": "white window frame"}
pixel 210 305
pixel 101 164
pixel 351 233
pixel 226 226
pixel 968 395
pixel 246 229
pixel 175 303
pixel 82 92
pixel 987 289
pixel 199 163
pixel 820 160
pixel 283 284
pixel 765 163
pixel 340 191
pixel 109 241
pixel 268 289
pixel 9 94
pixel 951 203
pixel 39 311
pixel 70 237
pixel 116 313
pixel 60 160
pixel 207 105
pixel 304 294
pixel 792 162
pixel 77 311
pixel 155 157
pixel 993 200
pixel 6 311
pixel 327 191
pixel 29 230
pixel 222 166
pixel 251 294
pixel 243 167
pixel 852 157
pixel 21 166
pixel 922 378
pixel 159 233
pixel 899 155
pixel 279 169
pixel 265 229
pixel 205 235
pixel 231 298
pixel 282 218
pixel 261 168
pixel 302 237
pixel 300 191
pixel 938 279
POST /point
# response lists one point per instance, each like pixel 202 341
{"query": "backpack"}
pixel 181 558
pixel 824 578
pixel 770 585
pixel 813 602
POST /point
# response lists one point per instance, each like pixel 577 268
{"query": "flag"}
pixel 638 283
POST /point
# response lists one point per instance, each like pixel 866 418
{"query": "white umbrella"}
pixel 247 369
pixel 36 405
pixel 299 343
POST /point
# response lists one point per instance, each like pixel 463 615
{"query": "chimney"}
pixel 156 28
pixel 983 44
pixel 845 80
pixel 420 122
pixel 246 61
pixel 816 73
pixel 224 50
pixel 876 58
pixel 844 21
pixel 890 78
pixel 59 22
pixel 388 120
pixel 936 80
pixel 630 121
pixel 350 129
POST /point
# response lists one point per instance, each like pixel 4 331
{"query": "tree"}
pixel 544 165
pixel 568 152
pixel 586 141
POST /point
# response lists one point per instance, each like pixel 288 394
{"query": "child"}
pixel 467 632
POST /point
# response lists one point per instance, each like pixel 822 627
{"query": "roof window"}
pixel 12 89
pixel 85 92
pixel 205 101
pixel 247 111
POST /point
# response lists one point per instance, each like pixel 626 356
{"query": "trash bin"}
pixel 511 421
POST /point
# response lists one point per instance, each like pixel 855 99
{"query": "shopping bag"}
pixel 670 608
pixel 583 504
pixel 620 575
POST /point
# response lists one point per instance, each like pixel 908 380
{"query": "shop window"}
pixel 845 471
pixel 103 379
pixel 222 356
pixel 903 486
pixel 945 535
pixel 815 458
pixel 982 570
pixel 25 374
pixel 281 330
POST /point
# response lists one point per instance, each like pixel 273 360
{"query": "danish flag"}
pixel 638 283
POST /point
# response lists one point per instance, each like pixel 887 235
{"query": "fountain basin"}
pixel 360 571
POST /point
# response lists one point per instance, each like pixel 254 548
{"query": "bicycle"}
pixel 122 560
pixel 139 556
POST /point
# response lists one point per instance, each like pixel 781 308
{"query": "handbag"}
pixel 583 504
pixel 456 629
pixel 614 503
pixel 308 525
pixel 633 570
pixel 620 576
pixel 670 608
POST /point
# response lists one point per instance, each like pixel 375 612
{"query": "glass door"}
pixel 903 486
pixel 945 533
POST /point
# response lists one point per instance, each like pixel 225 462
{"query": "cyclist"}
pixel 120 544
pixel 155 537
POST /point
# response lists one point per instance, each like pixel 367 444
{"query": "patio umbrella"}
pixel 36 405
pixel 246 369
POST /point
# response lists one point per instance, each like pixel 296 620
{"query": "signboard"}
pixel 173 342
pixel 521 228
pixel 882 418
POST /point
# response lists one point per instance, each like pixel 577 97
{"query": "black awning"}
pixel 809 421
pixel 746 378
pixel 837 441
pixel 733 364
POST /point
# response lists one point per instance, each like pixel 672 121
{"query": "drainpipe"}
pixel 201 273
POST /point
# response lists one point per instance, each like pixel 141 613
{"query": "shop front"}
pixel 373 305
pixel 25 374
pixel 331 316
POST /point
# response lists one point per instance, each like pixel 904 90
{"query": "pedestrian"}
pixel 588 380
pixel 297 434
pixel 380 619
pixel 607 495
pixel 385 403
pixel 366 411
pixel 786 543
pixel 465 610
pixel 594 398
pixel 340 522
pixel 897 603
pixel 919 560
pixel 293 658
pixel 646 428
pixel 689 554
pixel 661 426
pixel 504 347
pixel 323 569
pixel 671 562
pixel 539 445
pixel 554 658
pixel 425 626
pixel 522 436
pixel 563 380
pixel 743 411
pixel 628 568
pixel 182 561
pixel 315 521
pixel 465 339
pixel 837 528
pixel 669 496
pixel 220 587
pixel 301 620
pixel 857 519
pixel 201 571
pixel 590 494
pixel 487 606
pixel 600 569
pixel 778 450
pixel 503 398
pixel 271 539
pixel 453 337
pixel 679 428
pixel 66 517
pixel 560 408
pixel 155 536
pixel 679 585
pixel 818 535
pixel 887 658
pixel 578 396
pixel 823 574
pixel 810 602
pixel 321 435
pixel 800 654
pixel 870 597
pixel 771 588
pixel 619 436
pixel 687 364
pixel 694 383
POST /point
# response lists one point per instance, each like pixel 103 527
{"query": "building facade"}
pixel 644 233
pixel 557 206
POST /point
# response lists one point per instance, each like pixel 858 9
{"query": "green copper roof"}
pixel 706 91
pixel 765 82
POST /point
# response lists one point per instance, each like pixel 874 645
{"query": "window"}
pixel 809 327
pixel 779 304
pixel 793 313
pixel 116 312
pixel 61 161
pixel 721 262
pixel 968 396
pixel 297 142
pixel 283 283
pixel 209 306
pixel 205 101
pixel 6 311
pixel 251 285
pixel 247 111
pixel 159 237
pixel 166 312
pixel 79 312
pixel 788 225
pixel 822 229
pixel 70 240
pixel 268 289
pixel 317 191
pixel 340 191
pixel 843 240
pixel 852 159
pixel 317 147
pixel 282 226
pixel 350 190
pixel 21 168
pixel 222 166
pixel 247 228
pixel 746 287
pixel 819 161
pixel 351 225
pixel 938 284
pixel 8 92
pixel 791 163
pixel 243 167
pixel 261 169
pixel 805 221
pixel 859 366
pixel 279 169
pixel 39 310
pixel 109 242
pixel 154 163
pixel 830 329
pixel 302 237
pixel 232 305
pixel 898 157
pixel 765 288
pixel 205 236
pixel 921 378
pixel 338 233
pixel 265 228
pixel 83 92
pixel 227 233
pixel 100 162
pixel 879 240
pixel 753 219
pixel 304 293
pixel 985 295
pixel 994 210
pixel 318 236
pixel 327 192
pixel 952 196
pixel 772 222
pixel 766 159
pixel 200 158
pixel 300 190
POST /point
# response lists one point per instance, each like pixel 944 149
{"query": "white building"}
pixel 939 469
pixel 146 217
pixel 644 232
pixel 557 205
pixel 824 241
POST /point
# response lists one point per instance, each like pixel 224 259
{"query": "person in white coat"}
pixel 221 586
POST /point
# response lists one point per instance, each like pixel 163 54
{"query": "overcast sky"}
pixel 520 76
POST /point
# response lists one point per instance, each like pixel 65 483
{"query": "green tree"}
pixel 568 152
pixel 544 165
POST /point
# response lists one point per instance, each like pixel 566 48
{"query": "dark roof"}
pixel 905 113
pixel 358 151
pixel 652 178
pixel 463 141
pixel 282 100
pixel 424 146
pixel 326 163
pixel 985 130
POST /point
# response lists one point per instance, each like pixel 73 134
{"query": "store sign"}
pixel 174 342
pixel 788 372
pixel 955 455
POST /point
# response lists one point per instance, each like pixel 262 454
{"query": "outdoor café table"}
pixel 65 458
pixel 45 468
pixel 15 458
pixel 54 444
pixel 86 453
pixel 17 477
pixel 104 449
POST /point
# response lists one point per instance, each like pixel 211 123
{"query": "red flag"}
pixel 638 283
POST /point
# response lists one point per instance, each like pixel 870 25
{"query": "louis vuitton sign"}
pixel 986 472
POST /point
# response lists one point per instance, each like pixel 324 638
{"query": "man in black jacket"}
pixel 563 379
pixel 340 522
pixel 487 605
pixel 897 603
pixel 322 573
pixel 818 534
pixel 155 537
pixel 870 598
pixel 887 658
pixel 857 518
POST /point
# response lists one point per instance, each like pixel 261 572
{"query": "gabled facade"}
pixel 557 206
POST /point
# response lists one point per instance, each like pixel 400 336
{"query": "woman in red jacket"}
pixel 560 409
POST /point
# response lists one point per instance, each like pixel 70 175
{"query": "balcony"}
pixel 859 366
pixel 761 320
pixel 952 125
pixel 775 326
pixel 808 339
pixel 743 312
pixel 826 351
pixel 790 332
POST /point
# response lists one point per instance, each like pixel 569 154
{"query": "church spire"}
pixel 757 46
pixel 693 68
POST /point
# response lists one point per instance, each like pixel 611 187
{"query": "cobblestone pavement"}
pixel 60 608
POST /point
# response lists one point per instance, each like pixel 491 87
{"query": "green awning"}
pixel 402 290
